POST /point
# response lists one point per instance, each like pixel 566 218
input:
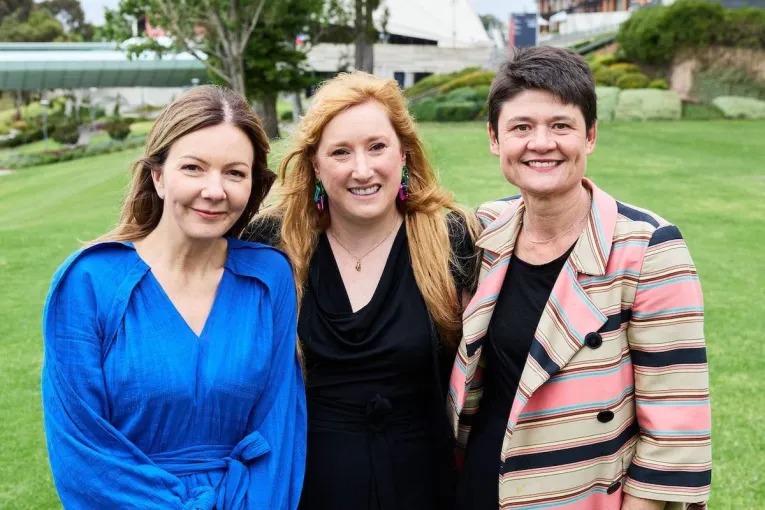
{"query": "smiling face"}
pixel 542 144
pixel 359 161
pixel 205 182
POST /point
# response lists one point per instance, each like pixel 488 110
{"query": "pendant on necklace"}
pixel 358 265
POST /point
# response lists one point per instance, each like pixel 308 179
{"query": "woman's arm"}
pixel 672 462
pixel 93 464
pixel 276 478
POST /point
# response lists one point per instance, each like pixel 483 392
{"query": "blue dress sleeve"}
pixel 276 478
pixel 93 464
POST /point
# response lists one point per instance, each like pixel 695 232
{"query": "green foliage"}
pixel 44 157
pixel 608 97
pixel 65 131
pixel 625 68
pixel 436 80
pixel 286 116
pixel 424 110
pixel 654 34
pixel 118 128
pixel 40 26
pixel 469 80
pixel 462 95
pixel 659 83
pixel 648 104
pixel 633 81
pixel 740 107
pixel 605 76
pixel 726 81
pixel 699 111
pixel 457 112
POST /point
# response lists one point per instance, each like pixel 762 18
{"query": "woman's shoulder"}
pixel 100 262
pixel 258 260
pixel 490 211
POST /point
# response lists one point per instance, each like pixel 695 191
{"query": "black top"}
pixel 517 312
pixel 378 436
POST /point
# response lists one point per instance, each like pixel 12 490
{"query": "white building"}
pixel 424 37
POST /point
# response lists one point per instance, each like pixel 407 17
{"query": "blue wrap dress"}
pixel 141 412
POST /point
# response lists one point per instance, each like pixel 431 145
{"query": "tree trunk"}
pixel 267 112
pixel 364 51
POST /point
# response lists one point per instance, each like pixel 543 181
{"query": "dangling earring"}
pixel 403 188
pixel 319 195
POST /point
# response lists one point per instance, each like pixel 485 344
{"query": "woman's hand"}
pixel 633 503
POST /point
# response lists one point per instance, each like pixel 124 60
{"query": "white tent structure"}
pixel 438 36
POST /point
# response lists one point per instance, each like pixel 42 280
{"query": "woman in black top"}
pixel 381 266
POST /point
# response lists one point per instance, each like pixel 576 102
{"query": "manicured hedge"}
pixel 468 80
pixel 457 112
pixel 436 80
pixel 69 153
pixel 648 104
pixel 633 81
pixel 607 99
pixel 734 107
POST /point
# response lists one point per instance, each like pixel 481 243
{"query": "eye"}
pixel 337 153
pixel 377 147
pixel 522 128
pixel 238 174
pixel 191 168
pixel 560 125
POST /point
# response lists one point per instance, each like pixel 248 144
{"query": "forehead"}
pixel 538 104
pixel 222 140
pixel 360 121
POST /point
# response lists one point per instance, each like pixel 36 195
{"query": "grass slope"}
pixel 707 177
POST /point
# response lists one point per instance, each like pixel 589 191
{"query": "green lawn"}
pixel 707 177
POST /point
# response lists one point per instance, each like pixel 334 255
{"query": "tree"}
pixel 70 14
pixel 40 26
pixel 20 7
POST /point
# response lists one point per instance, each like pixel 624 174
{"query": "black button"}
pixel 614 487
pixel 605 416
pixel 593 340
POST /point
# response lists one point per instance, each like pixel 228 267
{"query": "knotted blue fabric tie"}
pixel 204 458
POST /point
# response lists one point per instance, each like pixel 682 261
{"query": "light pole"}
pixel 44 104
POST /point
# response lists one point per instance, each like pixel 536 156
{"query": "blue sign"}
pixel 523 29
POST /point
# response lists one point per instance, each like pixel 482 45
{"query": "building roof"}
pixel 30 66
pixel 452 23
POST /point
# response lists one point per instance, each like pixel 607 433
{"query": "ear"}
pixel 493 140
pixel 592 136
pixel 159 184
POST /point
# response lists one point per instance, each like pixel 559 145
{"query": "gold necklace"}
pixel 359 259
pixel 536 241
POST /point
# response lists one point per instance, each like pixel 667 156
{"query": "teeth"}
pixel 365 191
pixel 542 164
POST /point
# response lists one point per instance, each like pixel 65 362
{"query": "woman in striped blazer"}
pixel 581 381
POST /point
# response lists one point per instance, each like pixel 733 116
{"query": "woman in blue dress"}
pixel 170 377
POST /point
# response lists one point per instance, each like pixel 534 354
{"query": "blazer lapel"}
pixel 497 242
pixel 569 315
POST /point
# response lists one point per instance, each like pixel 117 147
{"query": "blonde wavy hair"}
pixel 424 212
pixel 198 108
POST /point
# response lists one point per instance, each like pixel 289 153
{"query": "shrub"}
pixel 65 131
pixel 17 161
pixel 607 99
pixel 734 107
pixel 648 104
pixel 633 81
pixel 654 34
pixel 700 111
pixel 605 76
pixel 659 83
pixel 461 95
pixel 436 80
pixel 118 128
pixel 457 112
pixel 625 68
pixel 468 80
pixel 424 110
pixel 286 116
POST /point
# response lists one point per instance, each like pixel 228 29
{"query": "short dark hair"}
pixel 560 71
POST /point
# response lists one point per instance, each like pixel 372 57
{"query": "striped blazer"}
pixel 614 395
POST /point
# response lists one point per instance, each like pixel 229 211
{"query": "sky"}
pixel 94 9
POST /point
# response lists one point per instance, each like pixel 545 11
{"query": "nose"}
pixel 541 140
pixel 213 186
pixel 362 169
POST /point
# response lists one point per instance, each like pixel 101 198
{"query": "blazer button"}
pixel 593 340
pixel 605 416
pixel 614 487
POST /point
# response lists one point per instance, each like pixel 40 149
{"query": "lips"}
pixel 210 215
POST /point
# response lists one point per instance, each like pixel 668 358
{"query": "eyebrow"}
pixel 366 140
pixel 233 163
pixel 529 119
